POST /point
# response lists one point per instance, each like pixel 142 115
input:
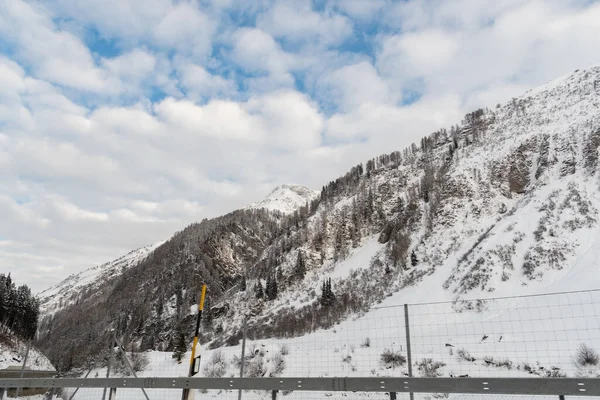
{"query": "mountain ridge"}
pixel 286 198
pixel 504 202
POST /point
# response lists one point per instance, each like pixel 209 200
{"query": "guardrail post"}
pixel 243 354
pixel 408 352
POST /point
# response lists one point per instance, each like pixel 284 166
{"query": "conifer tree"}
pixel 300 268
pixel 180 343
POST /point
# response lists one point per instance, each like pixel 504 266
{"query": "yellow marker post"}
pixel 195 361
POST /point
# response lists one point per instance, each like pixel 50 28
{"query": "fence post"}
pixel 243 354
pixel 23 366
pixel 408 352
pixel 111 349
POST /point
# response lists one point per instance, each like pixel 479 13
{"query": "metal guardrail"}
pixel 522 386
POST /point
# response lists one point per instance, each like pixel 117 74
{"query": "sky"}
pixel 123 121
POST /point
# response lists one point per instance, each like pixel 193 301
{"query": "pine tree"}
pixel 300 268
pixel 271 290
pixel 327 295
pixel 413 259
pixel 180 344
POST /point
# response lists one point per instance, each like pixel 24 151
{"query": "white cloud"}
pixel 219 118
pixel 256 50
pixel 186 29
pixel 176 114
pixel 71 212
pixel 200 84
pixel 352 85
pixel 57 56
pixel 296 21
pixel 289 119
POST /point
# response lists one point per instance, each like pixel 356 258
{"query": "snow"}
pixel 67 291
pixel 532 333
pixel 12 353
pixel 286 198
pixel 359 258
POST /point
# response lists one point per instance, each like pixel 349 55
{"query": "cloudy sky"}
pixel 121 121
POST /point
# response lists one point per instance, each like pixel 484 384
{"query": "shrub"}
pixel 347 358
pixel 586 356
pixel 139 361
pixel 506 363
pixel 278 364
pixel 429 368
pixel 217 367
pixel 464 354
pixel 284 349
pixel 366 343
pixel 392 359
pixel 256 368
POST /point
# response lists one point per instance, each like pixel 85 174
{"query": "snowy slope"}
pixel 286 198
pixel 515 212
pixel 12 353
pixel 67 291
pixel 505 204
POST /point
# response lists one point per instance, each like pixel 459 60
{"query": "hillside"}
pixel 77 285
pixel 12 353
pixel 504 203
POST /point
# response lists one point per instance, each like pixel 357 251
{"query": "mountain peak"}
pixel 286 198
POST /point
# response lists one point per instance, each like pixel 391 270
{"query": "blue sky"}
pixel 122 121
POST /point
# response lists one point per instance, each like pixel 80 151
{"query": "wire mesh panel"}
pixel 542 336
pixel 368 345
pixel 547 336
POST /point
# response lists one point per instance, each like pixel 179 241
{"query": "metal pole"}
pixel 129 363
pixel 408 353
pixel 243 355
pixel 23 366
pixel 111 349
pixel 77 389
pixel 186 392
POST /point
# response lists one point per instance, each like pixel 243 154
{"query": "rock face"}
pixel 504 203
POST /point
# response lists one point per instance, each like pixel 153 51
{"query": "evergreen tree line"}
pixel 19 309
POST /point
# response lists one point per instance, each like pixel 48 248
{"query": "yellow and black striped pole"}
pixel 195 361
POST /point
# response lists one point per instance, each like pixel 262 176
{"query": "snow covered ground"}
pixel 509 337
pixel 12 353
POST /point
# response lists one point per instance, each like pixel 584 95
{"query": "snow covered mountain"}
pixel 504 203
pixel 74 286
pixel 286 198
